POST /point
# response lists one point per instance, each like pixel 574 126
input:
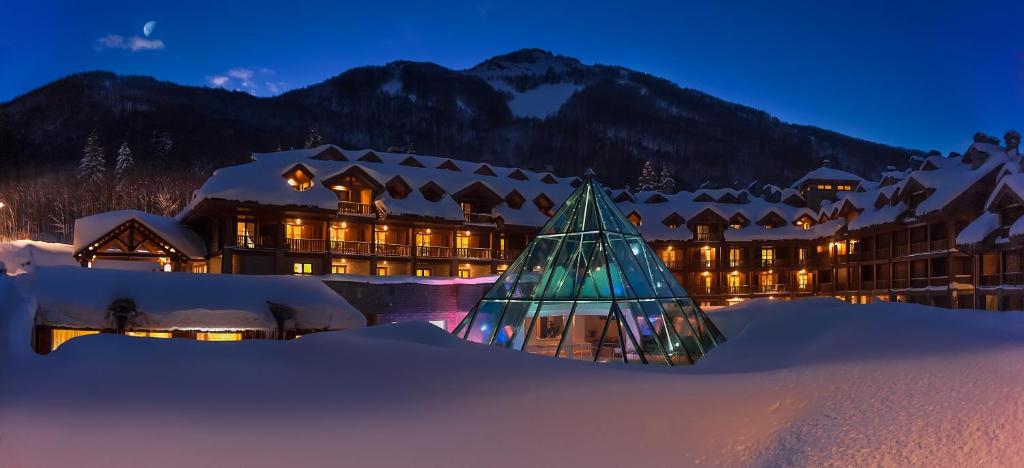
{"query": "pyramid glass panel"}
pixel 589 288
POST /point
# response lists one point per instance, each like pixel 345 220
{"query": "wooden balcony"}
pixel 989 280
pixel 673 264
pixel 433 251
pixel 1012 278
pixel 882 284
pixel 900 283
pixel 867 285
pixel 473 253
pixel 918 282
pixel 254 242
pixel 735 263
pixel 900 250
pixel 938 281
pixel 737 289
pixel 484 218
pixel 940 245
pixel 882 254
pixel 771 289
pixel 507 254
pixel 353 208
pixel 919 247
pixel 768 262
pixel 305 245
pixel 350 247
pixel 392 250
pixel 803 288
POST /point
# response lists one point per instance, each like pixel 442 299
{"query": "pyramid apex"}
pixel 589 173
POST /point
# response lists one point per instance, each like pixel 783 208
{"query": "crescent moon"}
pixel 147 28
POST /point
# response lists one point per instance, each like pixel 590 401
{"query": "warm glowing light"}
pixel 344 225
pixel 148 334
pixel 292 182
pixel 428 230
pixel 167 267
pixel 735 273
pixel 218 336
pixel 705 274
pixel 385 227
pixel 60 336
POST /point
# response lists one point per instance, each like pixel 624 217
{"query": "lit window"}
pixel 463 273
pixel 767 256
pixel 736 226
pixel 299 179
pixel 144 334
pixel 168 268
pixel 462 241
pixel 382 271
pixel 218 336
pixel 735 257
pixel 300 268
pixel 339 269
pixel 59 336
pixel 635 219
pixel 502 267
pixel 703 232
pixel 245 229
pixel 200 268
pixel 423 272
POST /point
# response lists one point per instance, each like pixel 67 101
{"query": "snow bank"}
pixel 23 255
pixel 543 101
pixel 804 383
pixel 402 279
pixel 79 297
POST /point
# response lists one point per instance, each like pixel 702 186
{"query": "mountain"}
pixel 529 108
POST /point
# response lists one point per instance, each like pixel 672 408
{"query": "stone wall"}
pixel 401 302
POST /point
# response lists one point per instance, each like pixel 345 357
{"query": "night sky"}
pixel 922 74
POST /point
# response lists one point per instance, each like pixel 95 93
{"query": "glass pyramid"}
pixel 589 287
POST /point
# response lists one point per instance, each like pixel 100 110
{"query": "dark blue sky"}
pixel 918 74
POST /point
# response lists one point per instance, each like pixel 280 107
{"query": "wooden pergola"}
pixel 132 240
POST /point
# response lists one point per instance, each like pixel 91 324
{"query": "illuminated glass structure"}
pixel 588 287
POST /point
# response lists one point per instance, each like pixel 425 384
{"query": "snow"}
pixel 543 101
pixel 23 256
pixel 90 228
pixel 78 297
pixel 976 232
pixel 827 173
pixel 812 382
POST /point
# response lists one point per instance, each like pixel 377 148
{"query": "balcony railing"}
pixel 867 254
pixel 989 280
pixel 354 208
pixel 882 253
pixel 737 289
pixel 735 263
pixel 900 251
pixel 305 245
pixel 768 262
pixel 900 283
pixel 350 247
pixel 392 250
pixel 254 242
pixel 918 282
pixel 706 236
pixel 882 284
pixel 433 251
pixel 938 281
pixel 939 245
pixel 479 217
pixel 772 288
pixel 706 263
pixel 507 254
pixel 473 253
pixel 919 247
pixel 673 264
pixel 867 285
pixel 1013 278
pixel 825 287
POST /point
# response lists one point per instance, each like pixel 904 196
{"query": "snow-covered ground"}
pixel 807 383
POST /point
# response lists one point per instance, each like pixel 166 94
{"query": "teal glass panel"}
pixel 484 321
pixel 535 271
pixel 561 218
pixel 513 323
pixel 595 280
pixel 583 338
pixel 552 319
pixel 681 323
pixel 650 267
pixel 623 256
pixel 645 335
pixel 503 288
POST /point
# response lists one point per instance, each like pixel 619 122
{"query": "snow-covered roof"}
pixel 261 181
pixel 90 228
pixel 976 232
pixel 79 297
pixel 827 173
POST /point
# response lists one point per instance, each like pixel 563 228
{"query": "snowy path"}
pixel 808 383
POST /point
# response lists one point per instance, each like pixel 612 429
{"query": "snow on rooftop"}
pixel 90 228
pixel 23 256
pixel 79 297
pixel 827 173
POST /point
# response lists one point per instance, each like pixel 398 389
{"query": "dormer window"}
pixel 370 156
pixel 449 165
pixel 330 154
pixel 549 179
pixel 544 204
pixel 300 178
pixel 576 181
pixel 485 170
pixel 736 226
pixel 411 162
pixel 673 221
pixel 517 175
pixel 514 200
pixel 635 218
pixel 656 198
pixel 431 191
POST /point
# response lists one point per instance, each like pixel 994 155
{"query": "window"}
pixel 424 239
pixel 464 273
pixel 735 257
pixel 802 280
pixel 246 231
pixel 767 256
pixel 145 334
pixel 299 179
pixel 703 232
pixel 382 271
pixel 295 229
pixel 462 240
pixel 635 219
pixel 219 336
pixel 670 256
pixel 338 231
pixel 707 257
pixel 339 269
pixel 736 226
pixel 423 272
pixel 380 234
pixel 767 282
pixel 706 282
pixel 804 224
pixel 802 254
pixel 301 268
pixel 735 286
pixel 200 268
pixel 502 267
pixel 59 336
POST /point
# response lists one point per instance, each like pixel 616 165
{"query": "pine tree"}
pixel 125 161
pixel 313 139
pixel 666 184
pixel 162 144
pixel 92 166
pixel 648 177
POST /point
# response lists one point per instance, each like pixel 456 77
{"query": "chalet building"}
pixel 948 232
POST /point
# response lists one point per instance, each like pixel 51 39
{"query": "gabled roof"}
pixel 411 161
pixel 370 156
pixel 827 173
pixel 90 229
pixel 450 165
